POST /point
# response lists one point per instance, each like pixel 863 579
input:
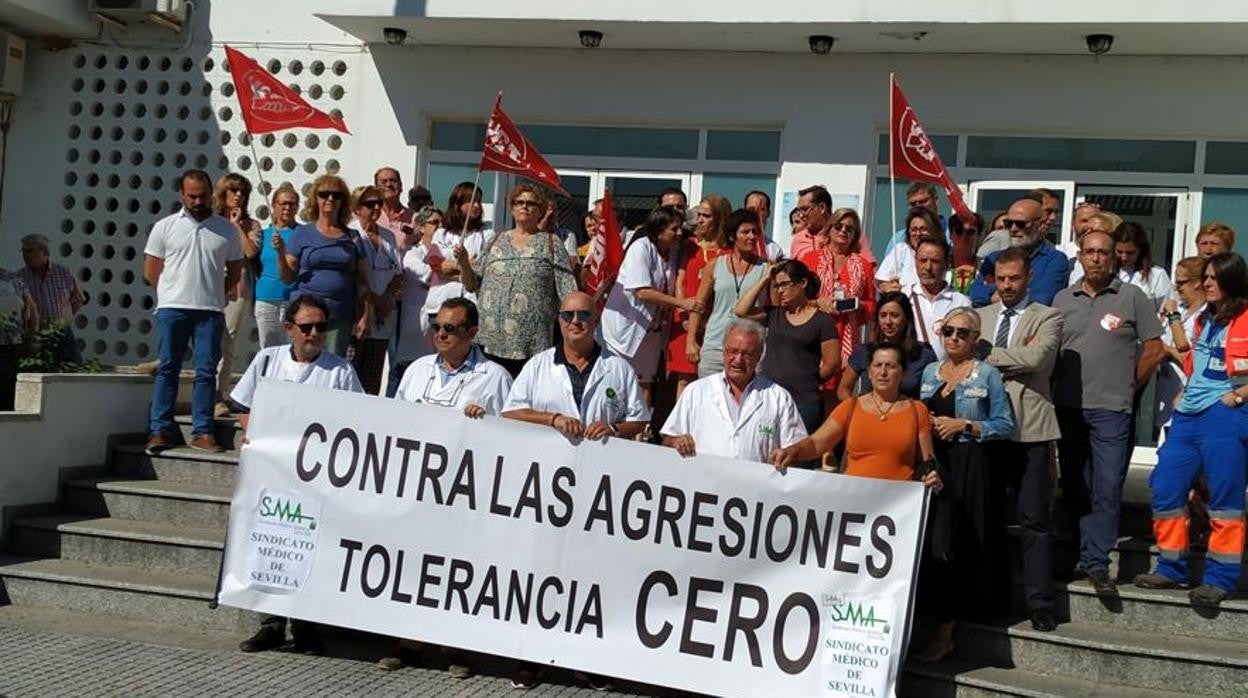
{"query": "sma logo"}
pixel 285 511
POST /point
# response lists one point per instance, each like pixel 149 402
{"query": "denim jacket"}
pixel 980 398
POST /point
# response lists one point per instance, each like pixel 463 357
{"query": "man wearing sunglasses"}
pixel 578 387
pixel 458 375
pixel 1050 268
pixel 304 361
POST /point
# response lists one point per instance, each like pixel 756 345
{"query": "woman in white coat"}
pixel 635 320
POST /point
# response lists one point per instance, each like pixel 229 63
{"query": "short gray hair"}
pixel 35 239
pixel 750 326
pixel 971 315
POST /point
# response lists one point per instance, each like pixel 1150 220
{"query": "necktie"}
pixel 1003 328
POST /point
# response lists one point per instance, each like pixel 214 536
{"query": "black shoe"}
pixel 311 646
pixel 269 637
pixel 595 682
pixel 1102 583
pixel 1152 580
pixel 1042 619
pixel 1207 595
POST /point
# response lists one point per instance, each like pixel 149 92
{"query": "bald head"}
pixel 577 300
pixel 1023 220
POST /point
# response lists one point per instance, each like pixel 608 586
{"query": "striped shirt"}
pixel 55 293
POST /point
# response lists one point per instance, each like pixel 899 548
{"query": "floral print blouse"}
pixel 520 293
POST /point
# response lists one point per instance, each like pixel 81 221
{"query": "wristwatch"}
pixel 1239 399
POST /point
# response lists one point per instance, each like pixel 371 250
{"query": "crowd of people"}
pixel 970 360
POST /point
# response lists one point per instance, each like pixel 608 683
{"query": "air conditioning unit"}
pixel 12 64
pixel 164 13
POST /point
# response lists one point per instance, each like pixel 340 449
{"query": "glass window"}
pixel 443 176
pixel 450 135
pixel 1089 154
pixel 946 148
pixel 1229 206
pixel 1223 157
pixel 753 146
pixel 734 187
pixel 880 223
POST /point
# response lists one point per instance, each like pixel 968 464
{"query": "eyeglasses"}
pixel 576 315
pixel 371 203
pixel 964 333
pixel 447 327
pixel 741 352
pixel 1010 223
pixel 781 285
pixel 307 327
pixel 527 203
pixel 286 204
pixel 334 195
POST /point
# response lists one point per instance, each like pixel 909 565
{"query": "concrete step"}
pixel 86 625
pixel 227 430
pixel 143 545
pixel 118 591
pixel 179 503
pixel 181 464
pixel 1100 654
pixel 970 680
pixel 1162 611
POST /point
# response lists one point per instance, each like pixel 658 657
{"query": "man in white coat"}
pixel 458 376
pixel 736 412
pixel 302 361
pixel 578 387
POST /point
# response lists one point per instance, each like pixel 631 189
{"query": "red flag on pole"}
pixel 913 155
pixel 606 253
pixel 268 104
pixel 507 150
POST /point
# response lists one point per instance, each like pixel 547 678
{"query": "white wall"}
pixel 61 421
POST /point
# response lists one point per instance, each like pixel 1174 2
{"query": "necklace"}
pixel 879 406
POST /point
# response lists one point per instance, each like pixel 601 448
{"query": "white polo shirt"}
pixel 195 255
pixel 477 381
pixel 929 313
pixel 766 419
pixel 898 264
pixel 278 363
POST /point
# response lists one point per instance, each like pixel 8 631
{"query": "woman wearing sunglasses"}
pixel 385 283
pixel 519 278
pixel 844 277
pixel 328 260
pixel 969 406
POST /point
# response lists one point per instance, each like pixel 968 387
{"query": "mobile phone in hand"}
pixel 847 305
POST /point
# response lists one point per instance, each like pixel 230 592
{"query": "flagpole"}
pixel 892 179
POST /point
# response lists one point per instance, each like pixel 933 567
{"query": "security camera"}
pixel 821 44
pixel 1099 44
pixel 394 35
pixel 590 38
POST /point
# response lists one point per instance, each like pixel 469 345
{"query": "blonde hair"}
pixel 310 212
pixel 1108 219
pixel 972 317
pixel 1222 231
pixel 846 212
pixel 228 181
pixel 359 194
pixel 720 210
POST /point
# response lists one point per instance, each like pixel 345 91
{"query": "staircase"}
pixel 143 541
pixel 1142 643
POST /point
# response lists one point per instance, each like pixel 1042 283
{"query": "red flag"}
pixel 606 253
pixel 507 150
pixel 913 155
pixel 268 104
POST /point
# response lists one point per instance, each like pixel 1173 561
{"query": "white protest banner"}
pixel 619 558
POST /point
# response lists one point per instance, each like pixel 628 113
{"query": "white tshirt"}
pixel 437 296
pixel 474 241
pixel 612 393
pixel 626 318
pixel 1157 287
pixel 478 381
pixel 383 265
pixel 417 275
pixel 929 314
pixel 766 419
pixel 898 264
pixel 195 255
pixel 278 363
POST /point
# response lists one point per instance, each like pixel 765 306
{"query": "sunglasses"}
pixel 334 195
pixel 845 227
pixel 1008 223
pixel 447 327
pixel 576 315
pixel 307 327
pixel 371 203
pixel 964 333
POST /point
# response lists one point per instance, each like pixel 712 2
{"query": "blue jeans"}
pixel 175 329
pixel 67 347
pixel 1095 451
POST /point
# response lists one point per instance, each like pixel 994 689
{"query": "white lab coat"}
pixel 612 393
pixel 278 363
pixel 485 383
pixel 767 420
